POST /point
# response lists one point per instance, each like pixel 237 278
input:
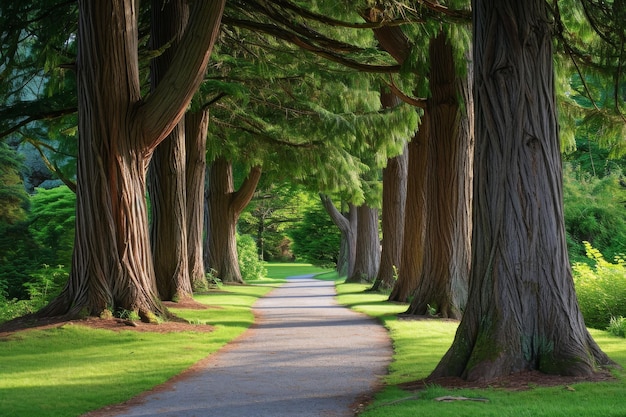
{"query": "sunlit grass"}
pixel 73 369
pixel 420 344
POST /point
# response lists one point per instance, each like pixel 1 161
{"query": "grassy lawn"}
pixel 72 369
pixel 419 345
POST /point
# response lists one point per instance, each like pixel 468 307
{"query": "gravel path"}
pixel 304 356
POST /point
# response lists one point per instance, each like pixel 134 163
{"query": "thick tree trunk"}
pixel 196 126
pixel 225 206
pixel 522 312
pixel 166 176
pixel 367 259
pixel 112 264
pixel 347 225
pixel 444 278
pixel 394 201
pixel 414 216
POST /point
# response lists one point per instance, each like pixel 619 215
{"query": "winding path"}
pixel 304 356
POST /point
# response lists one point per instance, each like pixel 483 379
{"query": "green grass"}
pixel 420 344
pixel 284 270
pixel 73 369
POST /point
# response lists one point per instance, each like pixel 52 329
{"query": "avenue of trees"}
pixel 430 135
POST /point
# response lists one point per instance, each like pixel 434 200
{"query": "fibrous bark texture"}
pixel 445 272
pixel 166 176
pixel 522 312
pixel 367 260
pixel 347 225
pixel 414 216
pixel 394 201
pixel 112 264
pixel 224 207
pixel 196 126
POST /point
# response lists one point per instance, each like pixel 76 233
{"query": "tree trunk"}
pixel 394 201
pixel 225 206
pixel 166 176
pixel 347 225
pixel 196 126
pixel 414 216
pixel 112 264
pixel 367 259
pixel 444 278
pixel 522 312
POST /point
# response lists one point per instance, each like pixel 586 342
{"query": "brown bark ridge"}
pixel 347 227
pixel 367 260
pixel 196 126
pixel 112 263
pixel 394 201
pixel 522 312
pixel 443 284
pixel 224 207
pixel 414 216
pixel 166 175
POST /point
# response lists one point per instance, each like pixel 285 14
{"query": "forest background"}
pixel 285 219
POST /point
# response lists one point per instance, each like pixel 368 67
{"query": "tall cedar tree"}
pixel 522 313
pixel 224 208
pixel 394 202
pixel 166 175
pixel 347 224
pixel 446 256
pixel 196 126
pixel 112 265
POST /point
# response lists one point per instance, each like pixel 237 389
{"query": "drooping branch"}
pixel 308 45
pixel 53 167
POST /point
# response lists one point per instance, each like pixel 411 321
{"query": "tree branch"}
pixel 307 45
pixel 242 197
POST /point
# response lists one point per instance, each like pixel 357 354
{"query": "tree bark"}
pixel 522 312
pixel 166 175
pixel 225 206
pixel 394 202
pixel 367 260
pixel 112 264
pixel 414 216
pixel 347 225
pixel 443 284
pixel 196 126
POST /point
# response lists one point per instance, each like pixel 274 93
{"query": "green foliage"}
pixel 316 239
pixel 13 197
pixel 52 221
pixel 27 248
pixel 617 326
pixel 249 264
pixel 594 212
pixel 20 256
pixel 600 288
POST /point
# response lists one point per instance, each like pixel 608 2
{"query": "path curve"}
pixel 305 356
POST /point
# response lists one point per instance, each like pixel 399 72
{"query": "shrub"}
pixel 249 264
pixel 600 288
pixel 594 212
pixel 617 326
